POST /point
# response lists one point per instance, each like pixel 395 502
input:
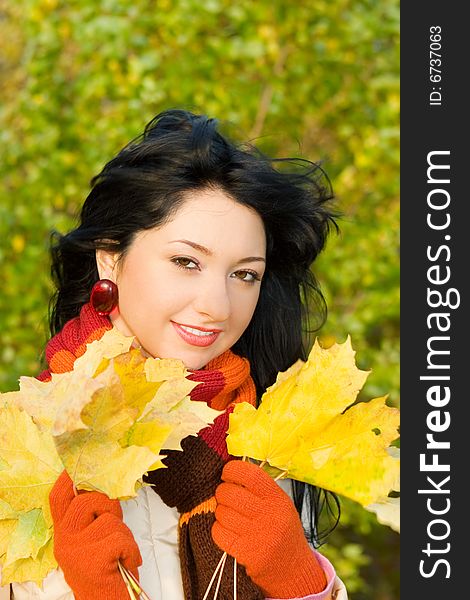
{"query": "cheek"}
pixel 246 309
pixel 148 292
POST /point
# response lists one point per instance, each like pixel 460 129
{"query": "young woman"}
pixel 209 248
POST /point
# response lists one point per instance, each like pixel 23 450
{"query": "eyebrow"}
pixel 208 252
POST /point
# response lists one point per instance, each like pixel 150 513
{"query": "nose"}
pixel 212 299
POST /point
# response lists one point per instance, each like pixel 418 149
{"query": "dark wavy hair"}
pixel 147 182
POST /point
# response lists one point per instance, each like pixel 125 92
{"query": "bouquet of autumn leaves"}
pixel 309 427
pixel 107 421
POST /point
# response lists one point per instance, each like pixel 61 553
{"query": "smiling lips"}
pixel 196 336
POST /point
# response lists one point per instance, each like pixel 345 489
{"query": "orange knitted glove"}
pixel 258 524
pixel 89 539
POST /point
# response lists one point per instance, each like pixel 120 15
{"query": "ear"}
pixel 106 263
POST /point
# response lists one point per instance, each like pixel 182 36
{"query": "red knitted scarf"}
pixel 190 481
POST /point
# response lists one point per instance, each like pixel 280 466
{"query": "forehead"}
pixel 213 219
pixel 214 203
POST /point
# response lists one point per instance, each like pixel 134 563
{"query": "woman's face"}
pixel 188 289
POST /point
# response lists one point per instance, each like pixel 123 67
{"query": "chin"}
pixel 195 366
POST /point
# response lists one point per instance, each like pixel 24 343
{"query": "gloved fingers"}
pixel 250 476
pixel 123 547
pixel 61 496
pixel 226 540
pixel 85 508
pixel 238 498
pixel 131 558
pixel 232 520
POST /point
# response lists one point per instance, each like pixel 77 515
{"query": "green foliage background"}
pixel 79 78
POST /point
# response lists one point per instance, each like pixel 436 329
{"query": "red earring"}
pixel 104 296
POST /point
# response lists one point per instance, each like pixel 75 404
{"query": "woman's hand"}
pixel 89 540
pixel 257 523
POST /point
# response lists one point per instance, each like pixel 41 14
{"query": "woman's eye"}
pixel 183 262
pixel 248 276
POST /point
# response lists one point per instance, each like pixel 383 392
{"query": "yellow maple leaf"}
pixel 126 422
pixel 33 462
pixel 6 511
pixel 44 400
pixel 305 425
pixel 92 453
pixel 29 536
pixel 387 511
pixel 386 508
pixel 169 394
pixel 29 569
pixel 7 527
pixel 173 408
pixel 157 369
pixel 30 468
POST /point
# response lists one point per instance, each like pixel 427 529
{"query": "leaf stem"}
pixel 133 583
pixel 234 579
pixel 216 593
pixel 220 566
pixel 126 581
pixel 281 476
